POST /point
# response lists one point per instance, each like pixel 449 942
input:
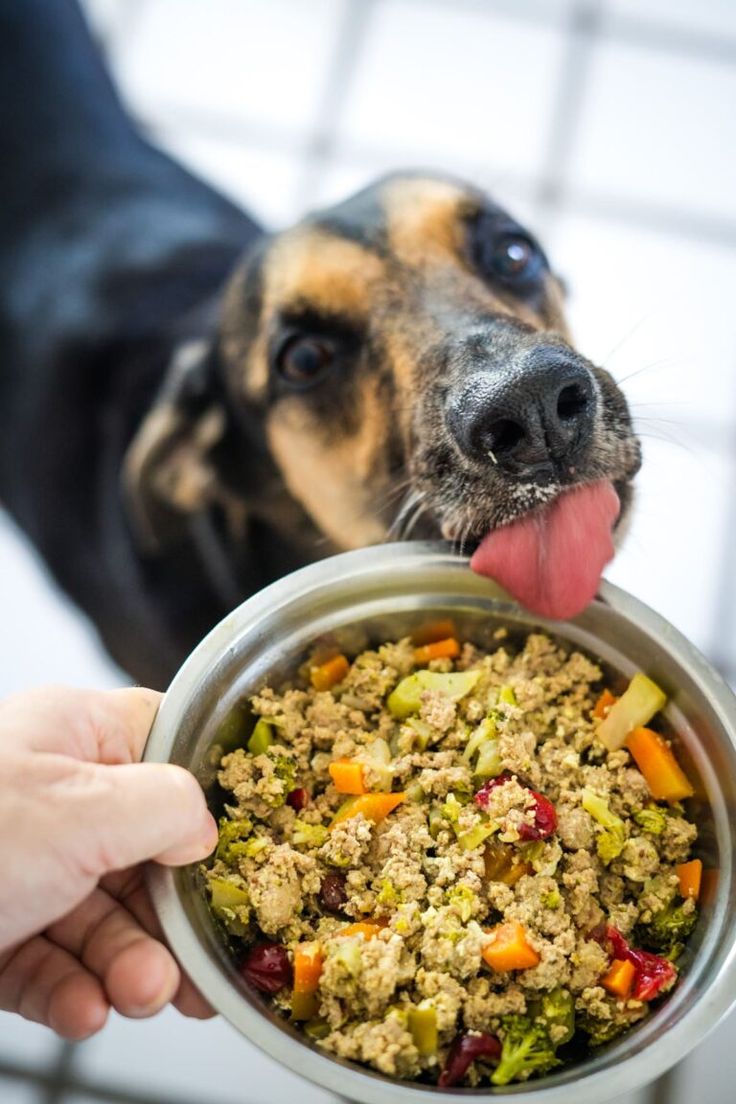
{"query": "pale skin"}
pixel 79 815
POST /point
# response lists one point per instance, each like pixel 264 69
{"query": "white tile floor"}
pixel 643 228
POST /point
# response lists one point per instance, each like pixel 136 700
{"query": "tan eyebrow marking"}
pixel 424 218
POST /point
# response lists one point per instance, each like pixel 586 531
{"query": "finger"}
pixel 98 726
pixel 128 887
pixel 44 983
pixel 128 814
pixel 138 974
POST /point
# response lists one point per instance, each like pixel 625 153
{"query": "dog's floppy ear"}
pixel 168 474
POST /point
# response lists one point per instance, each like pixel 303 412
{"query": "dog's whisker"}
pixel 420 510
pixel 410 502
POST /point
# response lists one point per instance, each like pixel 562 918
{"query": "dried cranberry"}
pixel 481 798
pixel 653 972
pixel 545 819
pixel 463 1052
pixel 332 893
pixel 297 799
pixel 267 967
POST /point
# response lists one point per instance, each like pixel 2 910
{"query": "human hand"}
pixel 78 814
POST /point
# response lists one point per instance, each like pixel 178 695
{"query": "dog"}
pixel 192 407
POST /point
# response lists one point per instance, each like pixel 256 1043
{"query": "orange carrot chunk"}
pixel 367 928
pixel 347 776
pixel 439 649
pixel 604 703
pixel 620 978
pixel 509 948
pixel 662 773
pixel 328 674
pixel 308 961
pixel 432 631
pixel 373 806
pixel 689 875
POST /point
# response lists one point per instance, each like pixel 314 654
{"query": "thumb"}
pixel 134 812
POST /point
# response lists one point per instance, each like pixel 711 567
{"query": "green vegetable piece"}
pixel 451 809
pixel 636 706
pixel 387 895
pixel 310 835
pixel 474 837
pixel 485 731
pixel 415 793
pixel 668 929
pixel 437 821
pixel 553 899
pixel 231 838
pixel 652 820
pixel 421 732
pixel 284 768
pixel 558 1010
pixel 610 842
pixel 230 904
pixel 488 763
pixel 261 737
pixel 317 1029
pixel 600 1032
pixel 348 953
pixel 226 894
pixel 406 698
pixel 526 1049
pixel 463 900
pixel 506 694
pixel 423 1028
pixel 254 846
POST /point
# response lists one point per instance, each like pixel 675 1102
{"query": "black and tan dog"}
pixel 191 408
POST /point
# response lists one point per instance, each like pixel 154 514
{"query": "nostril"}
pixel 571 402
pixel 503 435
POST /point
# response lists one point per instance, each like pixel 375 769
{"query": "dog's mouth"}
pixel 551 559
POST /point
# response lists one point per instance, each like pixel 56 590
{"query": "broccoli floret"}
pixel 600 1032
pixel 652 820
pixel 668 929
pixel 231 838
pixel 552 900
pixel 387 894
pixel 312 835
pixel 610 841
pixel 526 1049
pixel 284 768
pixel 558 1014
pixel 464 901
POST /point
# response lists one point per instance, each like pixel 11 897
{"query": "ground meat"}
pixel 574 827
pixel 422 887
pixel 347 843
pixel 385 1044
pixel 437 710
pixel 278 887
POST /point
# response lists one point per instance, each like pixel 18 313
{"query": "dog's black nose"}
pixel 531 417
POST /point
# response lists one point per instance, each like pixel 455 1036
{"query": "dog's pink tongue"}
pixel 551 561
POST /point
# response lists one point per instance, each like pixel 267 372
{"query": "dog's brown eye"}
pixel 514 258
pixel 304 359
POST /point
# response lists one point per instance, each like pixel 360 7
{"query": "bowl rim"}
pixel 649 1062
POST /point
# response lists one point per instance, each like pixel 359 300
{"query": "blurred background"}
pixel 609 126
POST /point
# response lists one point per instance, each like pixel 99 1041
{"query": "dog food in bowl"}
pixel 454 865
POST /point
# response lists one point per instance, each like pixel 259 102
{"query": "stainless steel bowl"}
pixel 379 593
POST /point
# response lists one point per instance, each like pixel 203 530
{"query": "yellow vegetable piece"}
pixel 636 706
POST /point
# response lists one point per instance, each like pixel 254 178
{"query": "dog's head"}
pixel 407 356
